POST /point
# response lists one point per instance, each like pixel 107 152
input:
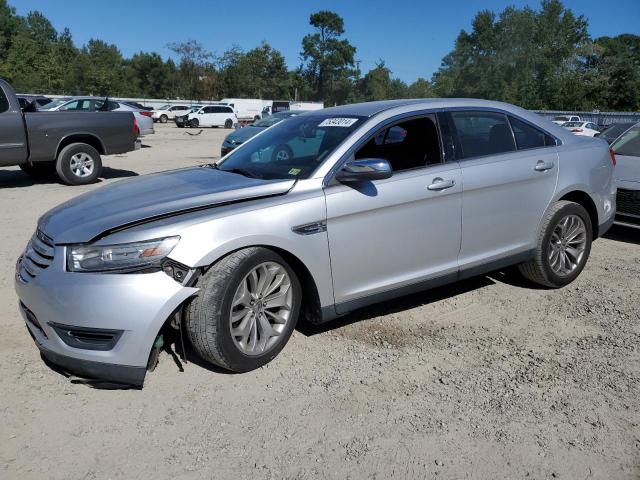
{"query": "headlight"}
pixel 123 257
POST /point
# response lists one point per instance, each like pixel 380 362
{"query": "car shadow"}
pixel 397 305
pixel 19 179
pixel 620 233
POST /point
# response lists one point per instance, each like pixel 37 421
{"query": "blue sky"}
pixel 411 36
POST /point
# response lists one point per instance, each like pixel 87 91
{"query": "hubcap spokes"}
pixel 81 165
pixel 567 245
pixel 261 308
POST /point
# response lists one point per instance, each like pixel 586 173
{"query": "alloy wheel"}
pixel 567 245
pixel 261 308
pixel 81 165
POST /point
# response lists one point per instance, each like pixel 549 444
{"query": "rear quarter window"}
pixel 527 136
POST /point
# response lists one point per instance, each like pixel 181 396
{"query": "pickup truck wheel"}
pixel 228 123
pixel 563 247
pixel 40 169
pixel 194 123
pixel 245 310
pixel 163 119
pixel 78 164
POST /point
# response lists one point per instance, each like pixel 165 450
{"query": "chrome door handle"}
pixel 440 184
pixel 543 166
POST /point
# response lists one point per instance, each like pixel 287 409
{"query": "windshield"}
pixel 629 143
pixel 561 119
pixel 291 149
pixel 572 124
pixel 55 103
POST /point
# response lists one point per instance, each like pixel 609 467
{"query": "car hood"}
pixel 243 134
pixel 149 197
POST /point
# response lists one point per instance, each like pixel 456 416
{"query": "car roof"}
pixel 370 109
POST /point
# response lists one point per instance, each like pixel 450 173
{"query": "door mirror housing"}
pixel 364 169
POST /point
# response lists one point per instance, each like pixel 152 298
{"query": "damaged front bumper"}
pixel 100 326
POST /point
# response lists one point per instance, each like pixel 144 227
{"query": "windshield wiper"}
pixel 241 171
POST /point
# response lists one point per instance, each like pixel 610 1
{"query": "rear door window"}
pixel 482 133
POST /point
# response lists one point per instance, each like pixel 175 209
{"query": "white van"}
pixel 213 116
pixel 248 109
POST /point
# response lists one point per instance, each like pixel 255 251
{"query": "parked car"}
pixel 241 135
pixel 168 112
pixel 212 116
pixel 613 131
pixel 627 154
pixel 233 253
pixel 70 144
pixel 182 120
pixel 137 105
pixel 96 104
pixel 40 100
pixel 143 117
pixel 584 129
pixel 559 120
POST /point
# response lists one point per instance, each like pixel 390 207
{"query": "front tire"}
pixel 228 123
pixel 245 311
pixel 194 123
pixel 563 247
pixel 78 164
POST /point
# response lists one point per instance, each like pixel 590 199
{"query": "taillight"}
pixel 578 130
pixel 146 114
pixel 612 154
pixel 136 128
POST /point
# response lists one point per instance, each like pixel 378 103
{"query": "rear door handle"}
pixel 543 166
pixel 440 184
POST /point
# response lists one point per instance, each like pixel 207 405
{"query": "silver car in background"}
pixel 96 104
pixel 627 154
pixel 377 200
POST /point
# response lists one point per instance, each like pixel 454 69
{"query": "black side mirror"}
pixel 364 169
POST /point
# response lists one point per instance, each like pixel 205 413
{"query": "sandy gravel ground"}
pixel 489 378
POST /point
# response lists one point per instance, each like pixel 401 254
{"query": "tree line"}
pixel 538 58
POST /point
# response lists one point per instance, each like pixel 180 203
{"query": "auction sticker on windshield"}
pixel 338 122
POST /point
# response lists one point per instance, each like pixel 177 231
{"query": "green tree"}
pixel 102 69
pixel 196 73
pixel 523 56
pixel 328 58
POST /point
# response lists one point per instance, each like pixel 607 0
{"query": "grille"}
pixel 37 256
pixel 628 202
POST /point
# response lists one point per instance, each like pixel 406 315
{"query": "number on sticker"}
pixel 338 122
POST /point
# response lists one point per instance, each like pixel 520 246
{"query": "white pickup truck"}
pixel 560 119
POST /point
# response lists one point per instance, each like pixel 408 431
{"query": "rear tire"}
pixel 563 246
pixel 78 164
pixel 229 290
pixel 163 119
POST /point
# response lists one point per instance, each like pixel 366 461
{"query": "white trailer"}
pixel 306 106
pixel 247 109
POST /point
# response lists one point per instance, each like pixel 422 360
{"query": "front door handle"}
pixel 543 166
pixel 440 184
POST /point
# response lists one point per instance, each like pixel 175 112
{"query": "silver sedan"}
pixel 374 201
